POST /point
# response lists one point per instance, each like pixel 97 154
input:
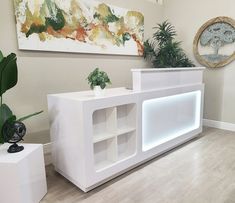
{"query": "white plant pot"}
pixel 98 92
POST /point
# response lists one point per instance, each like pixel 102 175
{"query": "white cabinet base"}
pixel 22 175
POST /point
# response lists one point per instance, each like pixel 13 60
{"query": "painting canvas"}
pixel 82 26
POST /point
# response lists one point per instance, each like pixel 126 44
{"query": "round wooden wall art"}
pixel 214 42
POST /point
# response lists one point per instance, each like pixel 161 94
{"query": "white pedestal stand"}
pixel 22 175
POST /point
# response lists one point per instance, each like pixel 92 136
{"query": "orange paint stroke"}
pixel 66 31
pixel 140 46
pixel 81 34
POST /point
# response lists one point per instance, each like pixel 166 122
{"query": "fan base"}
pixel 15 148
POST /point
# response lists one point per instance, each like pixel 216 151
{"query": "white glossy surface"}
pixel 165 69
pixel 89 95
pixel 157 78
pixel 22 175
pixel 166 118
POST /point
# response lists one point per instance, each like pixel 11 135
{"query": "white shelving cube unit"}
pixel 112 130
pixel 95 131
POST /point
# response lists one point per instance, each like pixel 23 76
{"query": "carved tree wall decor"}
pixel 213 44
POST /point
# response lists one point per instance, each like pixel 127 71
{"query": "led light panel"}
pixel 166 118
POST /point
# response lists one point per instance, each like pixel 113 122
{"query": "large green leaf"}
pixel 29 116
pixel 9 130
pixel 5 114
pixel 8 73
pixel 1 56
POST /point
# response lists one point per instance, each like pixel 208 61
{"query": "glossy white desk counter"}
pixel 97 138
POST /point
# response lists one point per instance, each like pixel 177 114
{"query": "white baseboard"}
pixel 47 153
pixel 219 124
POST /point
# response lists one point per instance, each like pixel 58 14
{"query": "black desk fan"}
pixel 13 132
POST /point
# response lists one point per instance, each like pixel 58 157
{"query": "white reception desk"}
pixel 97 138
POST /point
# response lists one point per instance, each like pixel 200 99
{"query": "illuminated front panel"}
pixel 166 118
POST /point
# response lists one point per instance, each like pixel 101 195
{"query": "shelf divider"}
pixel 111 119
pixel 125 130
pixel 103 136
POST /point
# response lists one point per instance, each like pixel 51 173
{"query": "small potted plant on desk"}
pixel 12 129
pixel 98 80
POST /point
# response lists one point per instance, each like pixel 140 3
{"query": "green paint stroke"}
pixel 56 19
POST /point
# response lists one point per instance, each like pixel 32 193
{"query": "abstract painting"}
pixel 82 26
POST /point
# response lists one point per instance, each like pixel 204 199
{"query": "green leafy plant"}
pixel 163 51
pixel 98 78
pixel 8 79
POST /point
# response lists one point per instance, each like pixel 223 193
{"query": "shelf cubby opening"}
pixel 105 153
pixel 126 118
pixel 104 124
pixel 126 145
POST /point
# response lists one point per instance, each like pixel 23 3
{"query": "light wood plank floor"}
pixel 201 171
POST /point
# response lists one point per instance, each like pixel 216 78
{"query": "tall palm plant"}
pixel 162 49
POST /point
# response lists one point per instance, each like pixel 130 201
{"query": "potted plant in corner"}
pixel 98 80
pixel 12 129
pixel 163 51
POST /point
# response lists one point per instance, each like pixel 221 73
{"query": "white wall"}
pixel 41 73
pixel 187 16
